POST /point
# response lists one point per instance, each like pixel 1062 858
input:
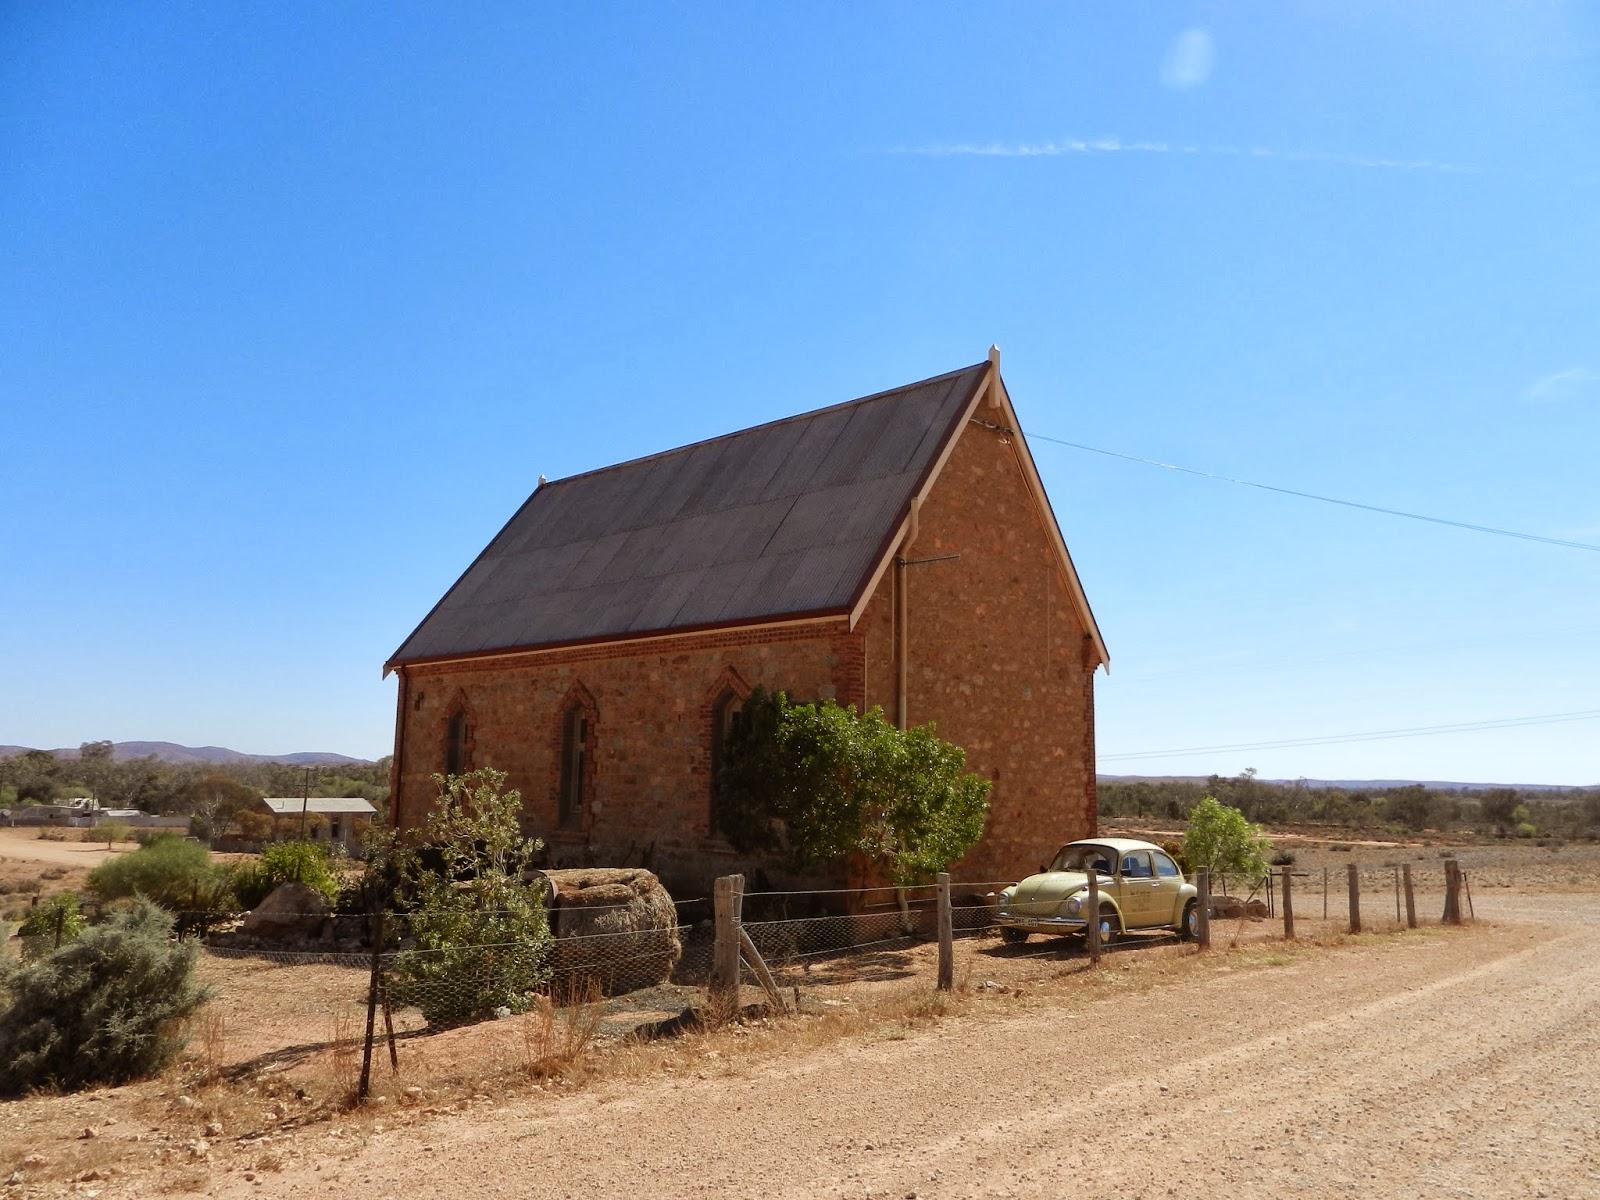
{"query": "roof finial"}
pixel 994 355
pixel 543 481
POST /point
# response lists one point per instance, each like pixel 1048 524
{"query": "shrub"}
pixel 1221 840
pixel 169 871
pixel 820 782
pixel 1283 858
pixel 286 862
pixel 105 1009
pixel 40 924
pixel 1174 851
pixel 482 938
pixel 1526 829
pixel 111 832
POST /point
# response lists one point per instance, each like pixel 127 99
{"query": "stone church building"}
pixel 897 550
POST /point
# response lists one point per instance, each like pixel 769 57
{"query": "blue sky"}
pixel 300 300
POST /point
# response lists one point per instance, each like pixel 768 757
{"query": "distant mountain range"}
pixel 1363 784
pixel 171 752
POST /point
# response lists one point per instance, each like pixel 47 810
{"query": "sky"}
pixel 297 302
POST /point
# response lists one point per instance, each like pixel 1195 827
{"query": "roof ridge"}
pixel 799 416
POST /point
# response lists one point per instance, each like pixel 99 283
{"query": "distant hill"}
pixel 171 752
pixel 1363 784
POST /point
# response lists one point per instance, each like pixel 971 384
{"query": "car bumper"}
pixel 1041 924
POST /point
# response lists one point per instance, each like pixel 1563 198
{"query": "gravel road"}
pixel 1443 1064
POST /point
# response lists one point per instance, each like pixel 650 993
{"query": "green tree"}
pixel 95 767
pixel 482 937
pixel 817 783
pixel 1221 839
pixel 1499 807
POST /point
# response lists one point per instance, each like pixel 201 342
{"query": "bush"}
pixel 286 862
pixel 482 938
pixel 1283 858
pixel 40 924
pixel 105 1009
pixel 1526 829
pixel 1221 840
pixel 169 871
pixel 820 783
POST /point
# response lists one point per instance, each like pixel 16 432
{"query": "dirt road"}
pixel 1443 1064
pixel 23 844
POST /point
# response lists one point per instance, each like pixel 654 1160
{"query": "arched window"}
pixel 455 743
pixel 723 714
pixel 575 765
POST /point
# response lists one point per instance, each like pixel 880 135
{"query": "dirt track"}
pixel 1435 1064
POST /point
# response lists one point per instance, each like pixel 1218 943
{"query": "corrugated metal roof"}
pixel 290 806
pixel 783 520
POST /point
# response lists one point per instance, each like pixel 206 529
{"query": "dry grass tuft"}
pixel 344 1056
pixel 556 1037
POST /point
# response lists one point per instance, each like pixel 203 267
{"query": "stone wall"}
pixel 999 658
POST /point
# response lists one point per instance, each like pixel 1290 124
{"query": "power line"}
pixel 1268 487
pixel 1372 736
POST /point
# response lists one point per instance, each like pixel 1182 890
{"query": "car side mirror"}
pixel 1041 868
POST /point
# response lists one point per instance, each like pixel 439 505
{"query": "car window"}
pixel 1165 867
pixel 1081 858
pixel 1136 865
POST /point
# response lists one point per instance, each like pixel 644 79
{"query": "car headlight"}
pixel 1005 900
pixel 1073 905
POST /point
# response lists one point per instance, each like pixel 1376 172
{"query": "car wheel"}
pixel 1013 937
pixel 1109 927
pixel 1189 927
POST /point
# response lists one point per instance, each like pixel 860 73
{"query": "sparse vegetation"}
pixel 108 1007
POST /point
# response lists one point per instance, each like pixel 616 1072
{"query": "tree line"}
pixel 212 791
pixel 1505 811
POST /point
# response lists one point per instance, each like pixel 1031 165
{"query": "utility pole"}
pixel 305 803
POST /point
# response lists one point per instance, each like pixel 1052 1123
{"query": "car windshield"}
pixel 1081 858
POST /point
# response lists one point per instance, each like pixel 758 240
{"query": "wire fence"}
pixel 360 997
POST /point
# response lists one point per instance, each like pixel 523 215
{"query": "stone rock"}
pixel 89 1131
pixel 1224 907
pixel 1256 910
pixel 292 911
pixel 213 1129
pixel 34 1161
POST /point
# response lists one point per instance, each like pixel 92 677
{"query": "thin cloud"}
pixel 1563 385
pixel 1113 145
pixel 1189 60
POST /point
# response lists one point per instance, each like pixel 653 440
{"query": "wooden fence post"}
pixel 1288 908
pixel 1466 884
pixel 365 1086
pixel 1092 912
pixel 1324 893
pixel 1355 897
pixel 1411 897
pixel 947 945
pixel 1202 879
pixel 1452 892
pixel 727 907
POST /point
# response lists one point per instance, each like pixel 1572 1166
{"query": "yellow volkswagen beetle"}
pixel 1140 888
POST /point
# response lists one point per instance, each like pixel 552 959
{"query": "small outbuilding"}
pixel 333 819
